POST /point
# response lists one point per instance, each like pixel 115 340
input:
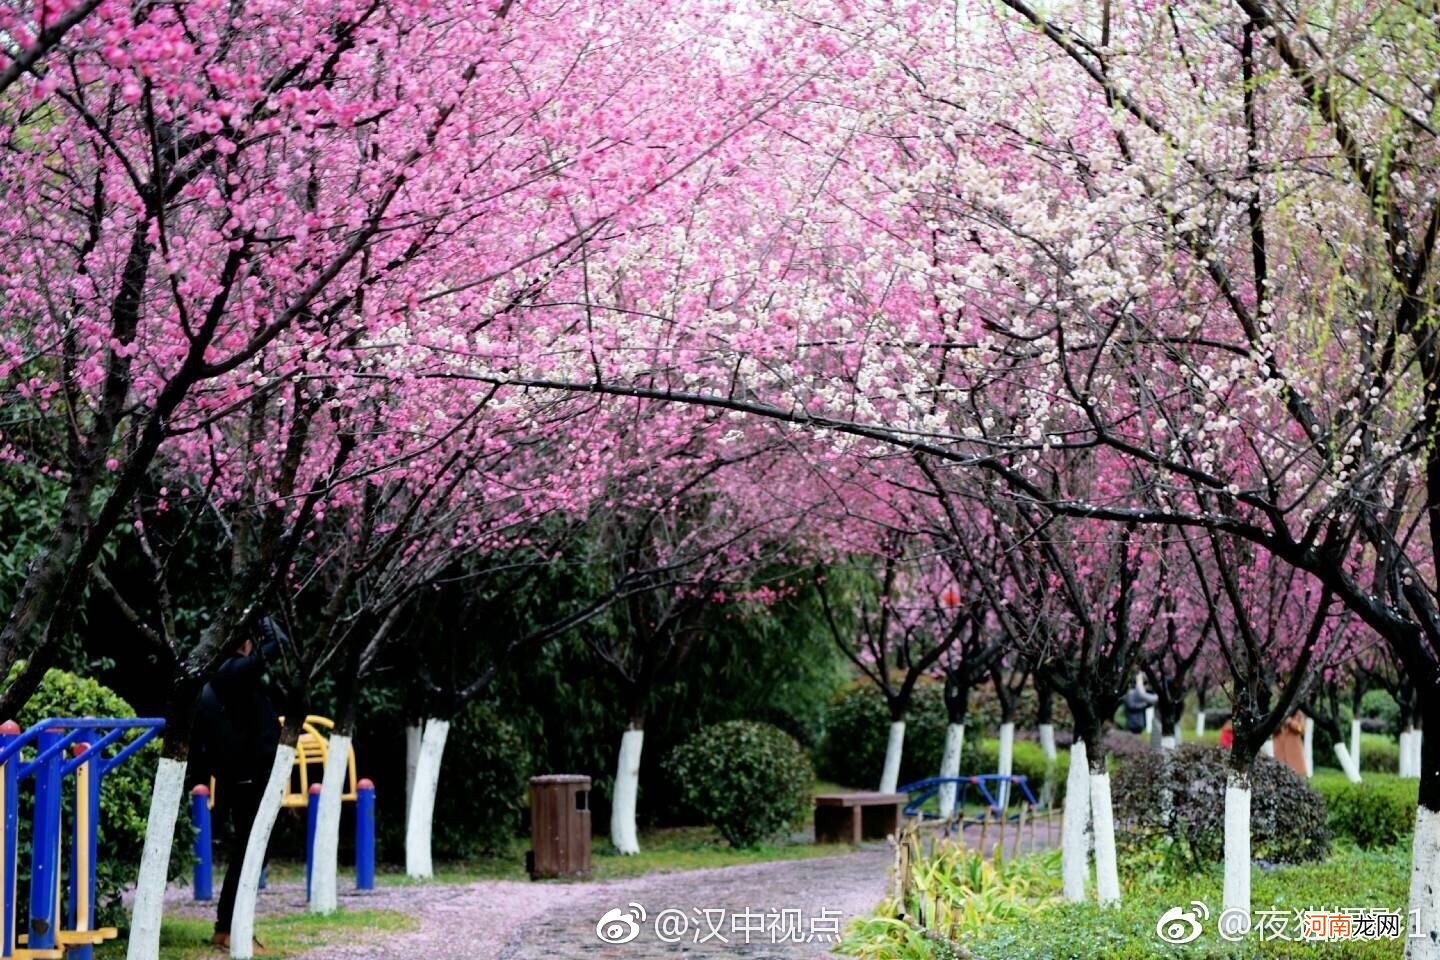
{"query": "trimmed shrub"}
pixel 124 793
pixel 750 780
pixel 1287 817
pixel 485 777
pixel 1375 813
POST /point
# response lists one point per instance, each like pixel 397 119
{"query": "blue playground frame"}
pixel 921 791
pixel 49 766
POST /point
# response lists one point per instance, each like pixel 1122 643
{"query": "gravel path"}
pixel 798 904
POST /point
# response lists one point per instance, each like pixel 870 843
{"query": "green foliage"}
pixel 1380 705
pixel 946 892
pixel 857 727
pixel 1376 813
pixel 484 784
pixel 124 793
pixel 1287 817
pixel 1038 925
pixel 1379 753
pixel 751 780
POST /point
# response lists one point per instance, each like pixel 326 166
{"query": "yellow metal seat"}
pixel 311 749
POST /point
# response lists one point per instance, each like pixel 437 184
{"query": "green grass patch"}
pixel 284 936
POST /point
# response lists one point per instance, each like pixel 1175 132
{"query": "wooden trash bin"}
pixel 559 827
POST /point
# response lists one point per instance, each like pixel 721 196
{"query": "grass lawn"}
pixel 189 939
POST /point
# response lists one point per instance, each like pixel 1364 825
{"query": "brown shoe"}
pixel 222 940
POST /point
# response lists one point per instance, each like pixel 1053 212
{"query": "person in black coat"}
pixel 236 732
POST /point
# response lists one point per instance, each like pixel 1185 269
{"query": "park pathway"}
pixel 506 920
pixel 780 909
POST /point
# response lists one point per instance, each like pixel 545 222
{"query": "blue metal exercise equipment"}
pixel 48 753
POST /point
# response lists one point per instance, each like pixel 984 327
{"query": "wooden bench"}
pixel 852 817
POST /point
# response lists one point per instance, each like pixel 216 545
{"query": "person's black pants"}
pixel 236 802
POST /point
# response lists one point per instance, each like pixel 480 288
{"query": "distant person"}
pixel 1227 736
pixel 1290 742
pixel 1137 701
pixel 236 731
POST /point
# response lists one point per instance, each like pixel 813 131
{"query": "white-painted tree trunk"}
pixel 1347 762
pixel 1236 894
pixel 1047 741
pixel 1309 747
pixel 1075 825
pixel 242 926
pixel 1424 941
pixel 1268 748
pixel 894 747
pixel 420 823
pixel 166 796
pixel 414 733
pixel 1199 723
pixel 623 830
pixel 325 865
pixel 1149 720
pixel 1417 743
pixel 1167 741
pixel 1005 763
pixel 950 767
pixel 1047 747
pixel 1355 742
pixel 1102 816
pixel 1410 753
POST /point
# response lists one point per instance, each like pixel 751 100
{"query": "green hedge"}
pixel 857 728
pixel 1374 813
pixel 751 780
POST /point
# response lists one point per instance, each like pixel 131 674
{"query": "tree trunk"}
pixel 623 831
pixel 325 858
pixel 413 734
pixel 1309 747
pixel 1424 944
pixel 1047 746
pixel 1102 815
pixel 1237 841
pixel 950 767
pixel 1075 825
pixel 1347 762
pixel 894 746
pixel 1005 763
pixel 166 797
pixel 1355 742
pixel 1200 722
pixel 242 927
pixel 420 824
